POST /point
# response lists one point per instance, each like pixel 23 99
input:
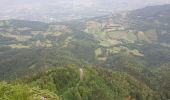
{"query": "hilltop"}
pixel 66 82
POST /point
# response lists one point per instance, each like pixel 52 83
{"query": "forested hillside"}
pixel 69 83
pixel 125 56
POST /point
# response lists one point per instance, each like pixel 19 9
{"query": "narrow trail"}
pixel 81 74
pixel 81 79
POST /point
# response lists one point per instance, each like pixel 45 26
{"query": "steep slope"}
pixel 153 21
pixel 163 80
pixel 23 92
pixel 94 84
pixel 152 11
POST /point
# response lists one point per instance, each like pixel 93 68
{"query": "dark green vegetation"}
pixel 135 45
pixel 67 82
pixel 24 92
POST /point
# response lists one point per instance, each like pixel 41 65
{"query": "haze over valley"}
pixel 64 10
pixel 84 50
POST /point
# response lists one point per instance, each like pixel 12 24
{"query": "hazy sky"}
pixel 42 8
pixel 5 3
